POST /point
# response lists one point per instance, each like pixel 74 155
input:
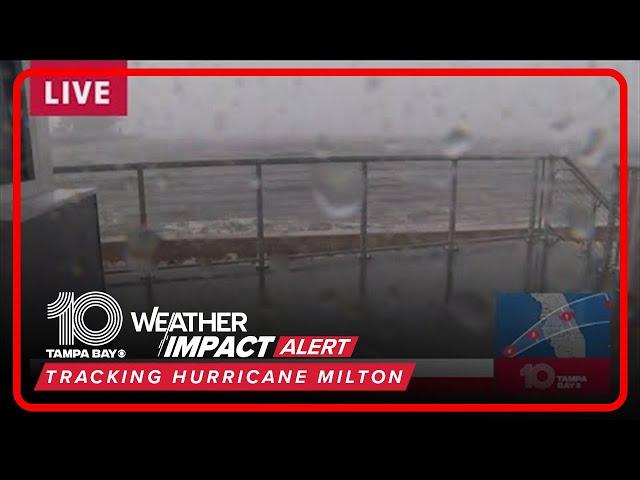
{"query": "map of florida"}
pixel 559 325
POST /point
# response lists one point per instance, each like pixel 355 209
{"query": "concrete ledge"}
pixel 217 249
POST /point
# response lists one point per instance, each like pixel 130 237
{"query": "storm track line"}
pixel 557 310
pixel 577 327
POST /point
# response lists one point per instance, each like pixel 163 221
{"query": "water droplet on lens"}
pixel 162 183
pixel 456 142
pixel 562 123
pixel 178 88
pixel 220 121
pixel 393 146
pixel 373 83
pixel 579 218
pixel 593 148
pixel 141 247
pixel 322 147
pixel 337 189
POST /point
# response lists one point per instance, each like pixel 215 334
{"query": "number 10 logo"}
pixel 540 376
pixel 70 313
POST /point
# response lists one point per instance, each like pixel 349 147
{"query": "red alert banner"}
pixel 263 376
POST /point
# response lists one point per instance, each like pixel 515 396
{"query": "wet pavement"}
pixel 419 303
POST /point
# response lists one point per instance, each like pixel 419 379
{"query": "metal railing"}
pixel 542 193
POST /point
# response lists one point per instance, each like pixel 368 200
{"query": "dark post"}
pixel 453 204
pixel 142 199
pixel 534 199
pixel 611 220
pixel 363 213
pixel 260 219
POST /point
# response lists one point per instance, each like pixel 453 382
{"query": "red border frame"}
pixel 321 407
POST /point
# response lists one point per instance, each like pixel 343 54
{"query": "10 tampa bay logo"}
pixel 70 313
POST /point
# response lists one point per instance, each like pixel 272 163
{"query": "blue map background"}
pixel 517 312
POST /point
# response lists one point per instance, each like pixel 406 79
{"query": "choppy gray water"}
pixel 221 201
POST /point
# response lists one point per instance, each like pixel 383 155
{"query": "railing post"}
pixel 550 183
pixel 534 199
pixel 364 213
pixel 611 219
pixel 453 204
pixel 542 192
pixel 591 235
pixel 260 219
pixel 142 199
pixel 633 229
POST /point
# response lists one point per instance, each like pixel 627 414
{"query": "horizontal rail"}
pixel 293 160
pixel 320 254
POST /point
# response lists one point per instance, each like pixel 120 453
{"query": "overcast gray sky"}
pixel 566 114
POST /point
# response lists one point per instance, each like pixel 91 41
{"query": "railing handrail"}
pixel 283 160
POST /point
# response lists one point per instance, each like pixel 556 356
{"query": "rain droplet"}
pixel 506 113
pixel 393 146
pixel 162 184
pixel 254 183
pixel 178 88
pixel 562 123
pixel 220 121
pixel 322 147
pixel 141 247
pixel 457 142
pixel 373 83
pixel 387 124
pixel 579 218
pixel 408 109
pixel 592 150
pixel 337 189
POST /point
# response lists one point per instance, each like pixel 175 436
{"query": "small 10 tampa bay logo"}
pixel 70 313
